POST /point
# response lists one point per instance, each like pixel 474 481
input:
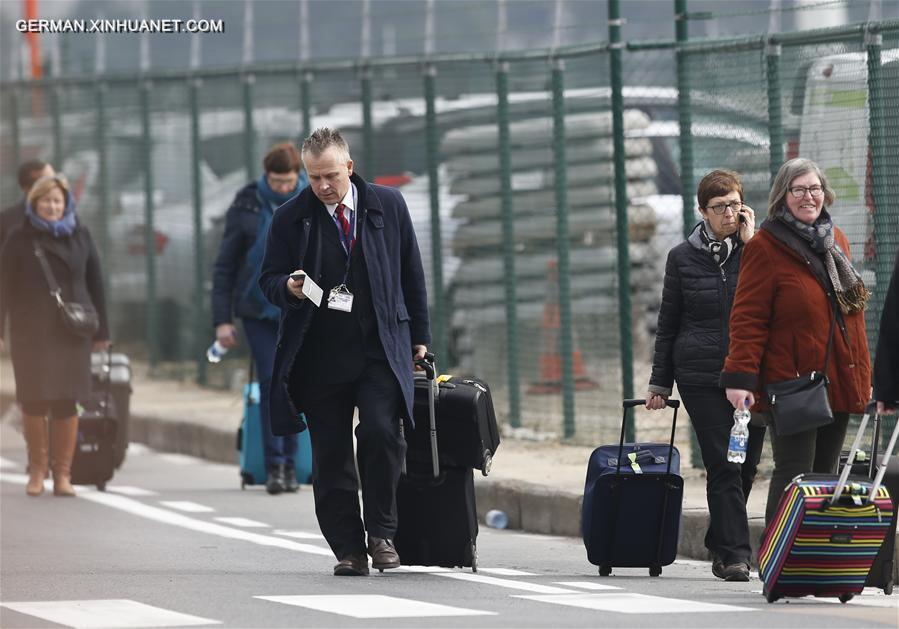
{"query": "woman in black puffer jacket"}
pixel 691 344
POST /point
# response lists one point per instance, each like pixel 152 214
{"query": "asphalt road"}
pixel 174 541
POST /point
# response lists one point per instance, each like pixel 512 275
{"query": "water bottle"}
pixel 739 435
pixel 216 352
pixel 496 519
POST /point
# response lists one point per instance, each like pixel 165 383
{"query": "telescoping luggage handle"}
pixel 870 409
pixel 670 403
pixel 429 365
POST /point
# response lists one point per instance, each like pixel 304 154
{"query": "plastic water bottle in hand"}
pixel 739 435
pixel 216 352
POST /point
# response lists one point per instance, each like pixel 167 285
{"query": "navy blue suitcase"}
pixel 632 502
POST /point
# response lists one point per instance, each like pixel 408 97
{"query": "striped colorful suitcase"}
pixel 827 532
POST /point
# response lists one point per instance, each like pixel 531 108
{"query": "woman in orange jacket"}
pixel 794 273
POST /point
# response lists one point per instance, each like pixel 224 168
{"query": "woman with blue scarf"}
pixel 52 364
pixel 236 292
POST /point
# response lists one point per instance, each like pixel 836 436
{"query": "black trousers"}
pixel 727 484
pixel 380 452
pixel 815 451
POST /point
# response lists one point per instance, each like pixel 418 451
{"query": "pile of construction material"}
pixel 478 298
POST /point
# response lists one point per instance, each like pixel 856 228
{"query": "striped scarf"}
pixel 851 293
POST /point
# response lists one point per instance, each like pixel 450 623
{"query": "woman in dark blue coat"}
pixel 236 292
pixel 691 344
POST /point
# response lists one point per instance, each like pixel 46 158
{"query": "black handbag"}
pixel 801 404
pixel 79 319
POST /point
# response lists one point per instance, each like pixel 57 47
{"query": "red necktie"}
pixel 344 223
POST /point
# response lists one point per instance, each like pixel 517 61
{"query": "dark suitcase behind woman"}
pixel 632 502
pixel 437 514
pixel 883 571
pixel 466 423
pixel 97 450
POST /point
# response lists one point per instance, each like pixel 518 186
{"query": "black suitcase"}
pixel 883 571
pixel 96 451
pixel 113 369
pixel 437 515
pixel 632 503
pixel 465 420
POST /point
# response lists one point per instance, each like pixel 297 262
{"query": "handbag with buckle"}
pixel 801 404
pixel 79 319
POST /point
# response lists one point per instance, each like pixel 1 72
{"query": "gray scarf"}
pixel 851 293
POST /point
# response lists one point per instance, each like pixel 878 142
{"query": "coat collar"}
pixel 306 203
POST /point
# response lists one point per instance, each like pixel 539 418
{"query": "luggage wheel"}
pixel 770 597
pixel 655 571
pixel 474 557
pixel 888 587
pixel 488 462
pixel 101 486
pixel 605 571
pixel 846 597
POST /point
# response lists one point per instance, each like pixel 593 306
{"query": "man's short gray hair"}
pixel 790 170
pixel 324 138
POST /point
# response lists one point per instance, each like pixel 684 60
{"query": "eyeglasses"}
pixel 799 191
pixel 719 209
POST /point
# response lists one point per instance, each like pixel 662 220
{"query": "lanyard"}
pixel 347 239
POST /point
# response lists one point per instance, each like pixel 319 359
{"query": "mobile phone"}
pixel 296 277
pixel 742 218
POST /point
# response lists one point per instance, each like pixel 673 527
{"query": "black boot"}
pixel 290 478
pixel 275 482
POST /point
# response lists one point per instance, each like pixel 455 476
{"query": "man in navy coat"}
pixel 355 348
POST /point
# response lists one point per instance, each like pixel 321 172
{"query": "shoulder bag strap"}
pixel 48 274
pixel 833 321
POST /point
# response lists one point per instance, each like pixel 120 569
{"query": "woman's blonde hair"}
pixel 45 184
pixel 791 169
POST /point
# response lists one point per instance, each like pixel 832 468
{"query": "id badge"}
pixel 340 299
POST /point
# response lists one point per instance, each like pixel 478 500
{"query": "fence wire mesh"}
pixel 524 281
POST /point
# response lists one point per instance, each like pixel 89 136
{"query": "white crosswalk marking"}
pixel 6 464
pixel 181 459
pixel 242 522
pixel 506 583
pixel 630 603
pixel 374 606
pixel 299 534
pixel 102 614
pixel 587 585
pixel 507 572
pixel 186 506
pixel 128 490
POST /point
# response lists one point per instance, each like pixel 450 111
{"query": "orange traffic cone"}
pixel 550 354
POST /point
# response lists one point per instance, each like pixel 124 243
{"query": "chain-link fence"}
pixel 508 165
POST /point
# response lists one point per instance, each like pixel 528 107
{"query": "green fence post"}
pixel 249 134
pixel 621 218
pixel 368 133
pixel 684 115
pixel 438 312
pixel 775 114
pixel 886 217
pixel 149 230
pixel 306 103
pixel 55 112
pixel 562 246
pixel 200 319
pixel 14 126
pixel 682 34
pixel 103 181
pixel 505 179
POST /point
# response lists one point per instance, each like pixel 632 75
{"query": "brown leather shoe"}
pixel 352 566
pixel 383 554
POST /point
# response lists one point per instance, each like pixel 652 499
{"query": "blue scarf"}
pixel 63 227
pixel 275 199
